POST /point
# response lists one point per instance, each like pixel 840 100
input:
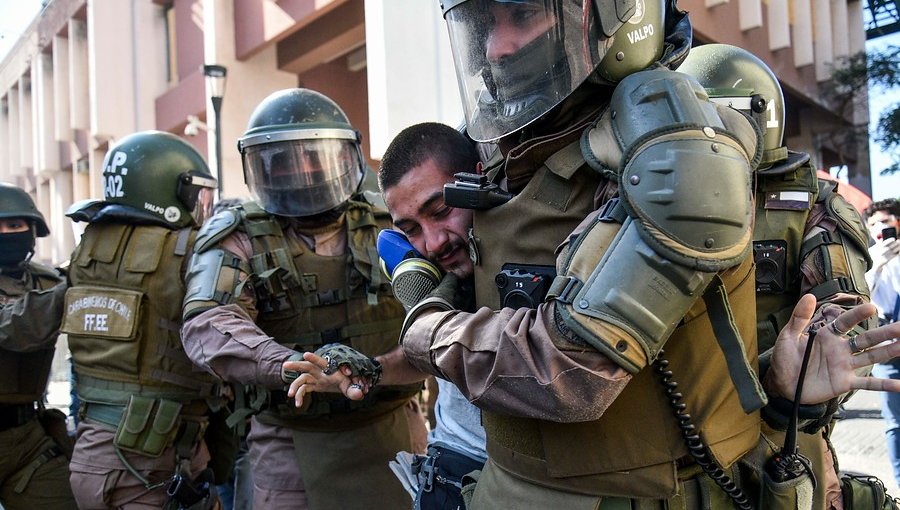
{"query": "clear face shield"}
pixel 517 59
pixel 303 176
pixel 197 193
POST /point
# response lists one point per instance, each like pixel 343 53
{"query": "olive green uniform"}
pixel 818 240
pixel 33 469
pixel 144 405
pixel 280 291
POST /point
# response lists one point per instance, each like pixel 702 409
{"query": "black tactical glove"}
pixel 338 355
pixel 288 376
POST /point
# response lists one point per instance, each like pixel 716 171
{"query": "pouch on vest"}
pixel 148 425
pixel 795 494
pixel 864 492
pixel 102 324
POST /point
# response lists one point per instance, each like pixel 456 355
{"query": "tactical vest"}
pixel 306 300
pixel 635 448
pixel 123 315
pixel 785 195
pixel 23 375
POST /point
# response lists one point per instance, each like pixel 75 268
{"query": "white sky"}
pixel 882 187
pixel 15 16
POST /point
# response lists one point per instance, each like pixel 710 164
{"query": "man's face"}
pixel 440 232
pixel 513 25
pixel 880 220
pixel 13 225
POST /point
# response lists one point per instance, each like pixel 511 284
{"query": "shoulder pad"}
pixel 375 199
pixel 794 161
pixel 216 229
pixel 826 189
pixel 252 210
pixel 84 210
pixel 599 147
pixel 43 271
pixel 849 222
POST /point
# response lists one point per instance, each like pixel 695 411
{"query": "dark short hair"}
pixel 889 205
pixel 449 148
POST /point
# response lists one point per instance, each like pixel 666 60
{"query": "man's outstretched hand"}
pixel 835 356
pixel 315 376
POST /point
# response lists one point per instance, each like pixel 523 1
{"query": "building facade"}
pixel 88 72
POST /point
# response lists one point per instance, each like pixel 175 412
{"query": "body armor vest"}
pixel 784 220
pixel 633 450
pixel 785 195
pixel 23 375
pixel 123 315
pixel 306 300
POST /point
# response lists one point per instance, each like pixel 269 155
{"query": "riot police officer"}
pixel 296 271
pixel 806 237
pixel 34 470
pixel 144 406
pixel 632 381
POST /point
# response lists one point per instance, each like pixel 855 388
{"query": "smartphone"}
pixel 888 233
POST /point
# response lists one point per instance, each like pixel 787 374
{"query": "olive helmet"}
pixel 160 175
pixel 737 78
pixel 517 59
pixel 300 154
pixel 16 203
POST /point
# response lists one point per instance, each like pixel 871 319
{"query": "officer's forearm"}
pixel 396 369
pixel 225 342
pixel 32 322
pixel 513 362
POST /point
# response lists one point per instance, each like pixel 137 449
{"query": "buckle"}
pixel 609 213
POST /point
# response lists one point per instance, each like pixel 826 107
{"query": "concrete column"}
pixel 112 71
pixel 779 25
pixel 47 147
pixel 840 30
pixel 856 27
pixel 60 226
pixel 410 70
pixel 749 14
pixel 249 82
pixel 79 94
pixel 149 61
pixel 42 199
pixel 824 42
pixel 26 123
pixel 61 87
pixel 4 138
pixel 14 142
pixel 803 33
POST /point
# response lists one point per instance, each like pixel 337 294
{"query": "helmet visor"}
pixel 517 59
pixel 303 177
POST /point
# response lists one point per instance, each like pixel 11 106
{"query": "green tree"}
pixel 877 69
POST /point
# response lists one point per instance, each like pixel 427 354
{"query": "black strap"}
pixel 742 375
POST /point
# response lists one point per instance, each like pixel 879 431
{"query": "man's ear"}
pixel 479 168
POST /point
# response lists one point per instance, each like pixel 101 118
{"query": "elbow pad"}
pixel 214 274
pixel 684 182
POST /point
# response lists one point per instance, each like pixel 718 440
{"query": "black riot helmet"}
pixel 517 59
pixel 16 203
pixel 16 248
pixel 300 154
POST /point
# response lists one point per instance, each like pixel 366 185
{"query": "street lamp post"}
pixel 215 84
